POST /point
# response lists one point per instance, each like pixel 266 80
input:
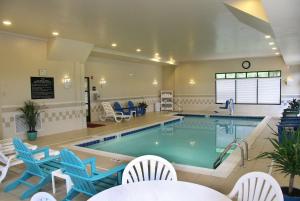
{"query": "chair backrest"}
pixel 109 111
pixel 130 104
pixel 27 157
pixel 3 157
pixel 227 104
pixel 117 106
pixel 76 169
pixel 147 168
pixel 42 196
pixel 257 186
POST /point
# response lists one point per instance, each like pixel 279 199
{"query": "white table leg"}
pixel 69 184
pixel 53 184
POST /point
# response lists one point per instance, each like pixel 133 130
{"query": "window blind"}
pixel 269 90
pixel 225 90
pixel 246 91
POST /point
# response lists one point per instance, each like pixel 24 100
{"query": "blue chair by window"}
pixel 226 105
pixel 88 183
pixel 118 108
pixel 34 168
pixel 131 107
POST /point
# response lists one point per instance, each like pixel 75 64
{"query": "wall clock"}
pixel 246 64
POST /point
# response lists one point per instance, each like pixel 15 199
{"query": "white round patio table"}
pixel 160 191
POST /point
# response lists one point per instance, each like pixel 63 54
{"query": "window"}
pixel 225 90
pixel 230 75
pixel 241 75
pixel 246 91
pixel 252 74
pixel 220 75
pixel 262 87
pixel 269 91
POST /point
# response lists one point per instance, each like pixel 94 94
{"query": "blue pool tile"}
pixel 109 138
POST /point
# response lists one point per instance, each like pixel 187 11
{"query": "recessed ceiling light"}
pixel 267 36
pixel 114 45
pixel 277 53
pixel 156 54
pixel 138 50
pixel 6 22
pixel 55 33
pixel 274 48
pixel 271 43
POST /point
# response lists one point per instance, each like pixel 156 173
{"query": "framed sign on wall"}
pixel 42 87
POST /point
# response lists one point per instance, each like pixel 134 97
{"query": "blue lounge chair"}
pixel 34 168
pixel 118 108
pixel 131 107
pixel 84 182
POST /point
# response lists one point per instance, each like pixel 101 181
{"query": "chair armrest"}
pixel 92 162
pixel 119 113
pixel 40 150
pixel 102 175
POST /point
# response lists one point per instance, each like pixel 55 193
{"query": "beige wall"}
pixel 203 73
pixel 21 58
pixel 125 81
pixel 201 96
pixel 168 74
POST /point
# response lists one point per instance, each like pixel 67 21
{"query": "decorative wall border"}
pixel 55 117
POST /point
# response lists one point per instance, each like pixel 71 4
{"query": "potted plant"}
pixel 142 107
pixel 293 109
pixel 294 104
pixel 30 114
pixel 286 157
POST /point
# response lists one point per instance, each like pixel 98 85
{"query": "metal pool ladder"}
pixel 239 143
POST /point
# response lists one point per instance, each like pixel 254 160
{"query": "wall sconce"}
pixel 102 82
pixel 155 83
pixel 192 82
pixel 289 79
pixel 67 81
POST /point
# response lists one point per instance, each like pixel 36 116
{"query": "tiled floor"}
pixel 223 185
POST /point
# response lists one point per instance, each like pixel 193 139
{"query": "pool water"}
pixel 194 141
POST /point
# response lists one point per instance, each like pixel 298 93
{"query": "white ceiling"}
pixel 284 17
pixel 182 29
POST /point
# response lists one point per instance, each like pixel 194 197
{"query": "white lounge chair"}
pixel 256 186
pixel 8 156
pixel 110 113
pixel 148 167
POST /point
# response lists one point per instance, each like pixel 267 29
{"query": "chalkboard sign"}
pixel 42 87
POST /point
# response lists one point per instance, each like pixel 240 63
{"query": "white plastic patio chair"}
pixel 110 113
pixel 42 196
pixel 148 167
pixel 8 156
pixel 256 186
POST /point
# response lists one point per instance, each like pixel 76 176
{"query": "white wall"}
pixel 21 58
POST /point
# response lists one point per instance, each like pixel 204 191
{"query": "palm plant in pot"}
pixel 142 107
pixel 293 109
pixel 30 114
pixel 286 158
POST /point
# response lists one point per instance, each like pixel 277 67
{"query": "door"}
pixel 87 99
